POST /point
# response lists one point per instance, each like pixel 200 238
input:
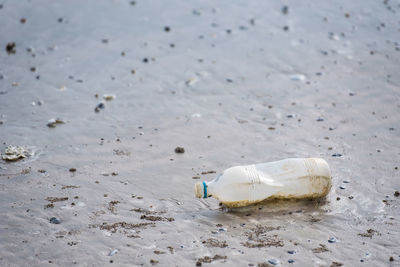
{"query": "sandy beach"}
pixel 100 94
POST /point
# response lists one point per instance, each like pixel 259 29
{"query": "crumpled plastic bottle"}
pixel 293 178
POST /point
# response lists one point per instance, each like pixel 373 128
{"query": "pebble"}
pixel 54 220
pixel 273 261
pixel 332 240
pixel 336 155
pixel 346 182
pixel 108 97
pixel 291 261
pixel 320 119
pixel 179 150
pixel 291 252
pixel 342 187
pixel 53 122
pixel 285 9
pixel 112 253
pixel 99 106
pixel 297 77
pixel 10 48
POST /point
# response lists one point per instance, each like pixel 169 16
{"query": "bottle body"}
pixel 285 179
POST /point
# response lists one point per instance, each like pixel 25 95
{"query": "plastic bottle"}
pixel 292 178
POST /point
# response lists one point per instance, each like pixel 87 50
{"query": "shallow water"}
pixel 229 84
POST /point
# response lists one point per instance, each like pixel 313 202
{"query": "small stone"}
pixel 291 261
pixel 108 97
pixel 153 262
pixel 342 187
pixel 99 106
pixel 285 10
pixel 167 29
pixel 72 169
pixel 179 150
pixel 396 193
pixel 52 123
pixel 10 48
pixel 291 252
pixel 391 258
pixel 112 253
pixel 54 220
pixel 145 60
pixel 332 240
pixel 320 119
pixel 297 77
pixel 346 182
pixel 22 20
pixel 285 28
pixel 336 155
pixel 273 261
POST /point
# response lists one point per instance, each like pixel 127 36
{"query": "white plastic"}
pixel 285 179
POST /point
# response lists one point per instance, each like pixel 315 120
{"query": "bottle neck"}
pixel 208 189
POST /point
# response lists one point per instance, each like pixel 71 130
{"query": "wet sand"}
pixel 231 83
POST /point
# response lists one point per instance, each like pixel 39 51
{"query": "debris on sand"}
pixel 285 10
pixel 13 153
pixel 56 199
pixel 208 259
pixel 207 172
pixel 111 206
pixel 192 81
pixel 147 212
pixel 55 220
pixel 52 123
pixel 332 240
pixel 258 237
pixel 298 77
pixel 320 249
pixel 156 218
pixel 154 262
pixel 268 241
pixel 273 261
pixel 108 97
pixel 113 228
pixel 112 253
pixel 179 150
pixel 69 187
pixel 212 242
pixel 264 264
pixel 10 48
pixel 99 107
pixel 49 206
pixel 370 233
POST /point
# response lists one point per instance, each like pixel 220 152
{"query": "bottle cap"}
pixel 198 190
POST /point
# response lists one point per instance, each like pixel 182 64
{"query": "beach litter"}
pixel 14 153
